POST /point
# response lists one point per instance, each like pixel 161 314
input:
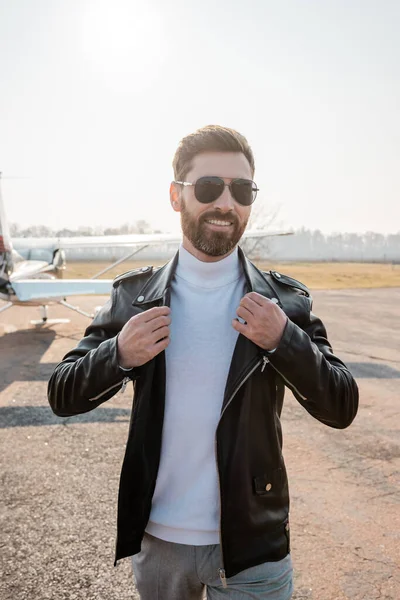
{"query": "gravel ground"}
pixel 59 477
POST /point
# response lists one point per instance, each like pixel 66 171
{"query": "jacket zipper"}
pixel 125 382
pixel 290 385
pixel 104 392
pixel 221 570
pixel 264 360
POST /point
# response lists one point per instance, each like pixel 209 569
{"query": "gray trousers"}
pixel 169 571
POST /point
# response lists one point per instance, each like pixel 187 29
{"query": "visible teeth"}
pixel 215 222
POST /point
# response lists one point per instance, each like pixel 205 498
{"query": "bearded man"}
pixel 210 342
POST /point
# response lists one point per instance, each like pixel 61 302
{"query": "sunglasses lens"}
pixel 208 189
pixel 244 191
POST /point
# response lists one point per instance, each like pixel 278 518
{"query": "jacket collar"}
pixel 257 281
pixel 158 286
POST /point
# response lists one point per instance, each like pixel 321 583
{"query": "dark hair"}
pixel 212 138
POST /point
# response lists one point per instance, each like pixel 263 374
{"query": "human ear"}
pixel 175 197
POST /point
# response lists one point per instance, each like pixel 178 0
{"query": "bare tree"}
pixel 263 217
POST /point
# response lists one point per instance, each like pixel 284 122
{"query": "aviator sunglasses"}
pixel 208 189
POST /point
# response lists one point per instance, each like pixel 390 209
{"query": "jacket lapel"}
pixel 158 288
pixel 257 281
pixel 246 352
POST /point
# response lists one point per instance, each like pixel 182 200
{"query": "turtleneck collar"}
pixel 208 274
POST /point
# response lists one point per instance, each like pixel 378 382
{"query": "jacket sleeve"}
pixel 89 374
pixel 318 379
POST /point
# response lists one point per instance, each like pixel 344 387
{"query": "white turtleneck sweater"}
pixel 204 298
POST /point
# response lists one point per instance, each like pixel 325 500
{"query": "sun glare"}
pixel 122 37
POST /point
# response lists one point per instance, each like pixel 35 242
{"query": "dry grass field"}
pixel 317 276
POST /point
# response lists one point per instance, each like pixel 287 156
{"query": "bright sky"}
pixel 95 96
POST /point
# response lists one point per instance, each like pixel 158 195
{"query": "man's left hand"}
pixel 265 321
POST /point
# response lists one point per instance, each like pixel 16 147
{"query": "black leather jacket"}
pixel 253 483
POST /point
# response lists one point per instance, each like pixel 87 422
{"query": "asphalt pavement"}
pixel 59 477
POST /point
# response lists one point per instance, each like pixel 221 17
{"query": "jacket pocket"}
pixel 269 482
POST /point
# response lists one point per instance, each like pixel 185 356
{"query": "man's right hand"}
pixel 143 337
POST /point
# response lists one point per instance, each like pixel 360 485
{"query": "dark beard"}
pixel 212 243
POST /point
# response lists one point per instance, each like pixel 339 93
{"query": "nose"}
pixel 225 202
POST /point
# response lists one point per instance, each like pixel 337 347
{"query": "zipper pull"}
pixel 222 577
pixel 125 382
pixel 265 361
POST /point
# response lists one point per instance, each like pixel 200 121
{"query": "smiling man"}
pixel 210 342
pixel 212 220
